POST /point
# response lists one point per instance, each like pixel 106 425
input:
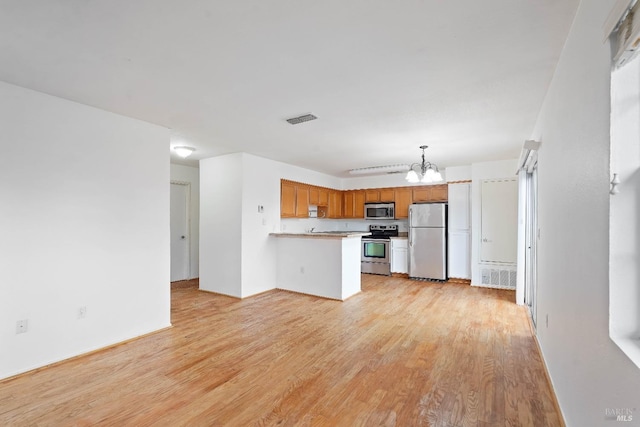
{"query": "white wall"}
pixel 261 186
pixel 589 372
pixel 379 181
pixel 459 173
pixel 221 189
pixel 237 255
pixel 181 173
pixel 84 223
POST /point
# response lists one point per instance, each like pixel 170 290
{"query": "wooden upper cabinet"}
pixel 318 196
pixel 302 201
pixel 430 193
pixel 287 199
pixel 353 204
pixel 314 196
pixel 347 204
pixel 403 198
pixel 371 195
pixel 294 200
pixel 440 193
pixel 421 194
pixel 323 197
pixel 378 195
pixel 387 194
pixel 335 204
pixel 358 203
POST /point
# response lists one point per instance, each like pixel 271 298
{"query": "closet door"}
pixel 499 224
pixel 459 229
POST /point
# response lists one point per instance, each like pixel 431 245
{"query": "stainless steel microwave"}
pixel 379 211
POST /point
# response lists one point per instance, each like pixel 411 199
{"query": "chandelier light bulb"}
pixel 412 177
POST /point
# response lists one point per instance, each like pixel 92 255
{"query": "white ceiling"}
pixel 465 77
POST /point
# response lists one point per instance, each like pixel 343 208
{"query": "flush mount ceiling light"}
pixel 375 170
pixel 184 151
pixel 426 172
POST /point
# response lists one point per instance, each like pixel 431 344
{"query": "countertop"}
pixel 324 234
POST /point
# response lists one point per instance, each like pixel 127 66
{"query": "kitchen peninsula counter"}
pixel 324 264
pixel 324 234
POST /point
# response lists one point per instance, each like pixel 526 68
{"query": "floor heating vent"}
pixel 501 278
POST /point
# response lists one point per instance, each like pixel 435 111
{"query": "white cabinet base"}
pixel 399 256
pixel 459 250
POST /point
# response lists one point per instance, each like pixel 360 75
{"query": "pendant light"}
pixel 425 172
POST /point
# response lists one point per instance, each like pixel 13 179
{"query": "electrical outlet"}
pixel 22 326
pixel 547 320
pixel 82 312
pixel 302 270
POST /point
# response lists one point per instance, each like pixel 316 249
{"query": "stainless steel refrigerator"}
pixel 428 241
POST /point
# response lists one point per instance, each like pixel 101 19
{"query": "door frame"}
pixel 186 184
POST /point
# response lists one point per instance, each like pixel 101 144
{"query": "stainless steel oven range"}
pixel 376 250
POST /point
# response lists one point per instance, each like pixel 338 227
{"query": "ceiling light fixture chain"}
pixel 427 173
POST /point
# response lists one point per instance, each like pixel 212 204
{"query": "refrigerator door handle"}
pixel 410 239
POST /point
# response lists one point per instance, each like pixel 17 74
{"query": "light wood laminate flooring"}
pixel 401 353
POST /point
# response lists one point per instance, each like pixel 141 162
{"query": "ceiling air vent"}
pixel 301 119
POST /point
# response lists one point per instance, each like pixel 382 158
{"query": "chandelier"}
pixel 426 172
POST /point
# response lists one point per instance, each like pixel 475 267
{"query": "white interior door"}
pixel 179 231
pixel 499 223
pixel 531 236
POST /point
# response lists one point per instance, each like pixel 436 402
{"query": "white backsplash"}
pixel 302 225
